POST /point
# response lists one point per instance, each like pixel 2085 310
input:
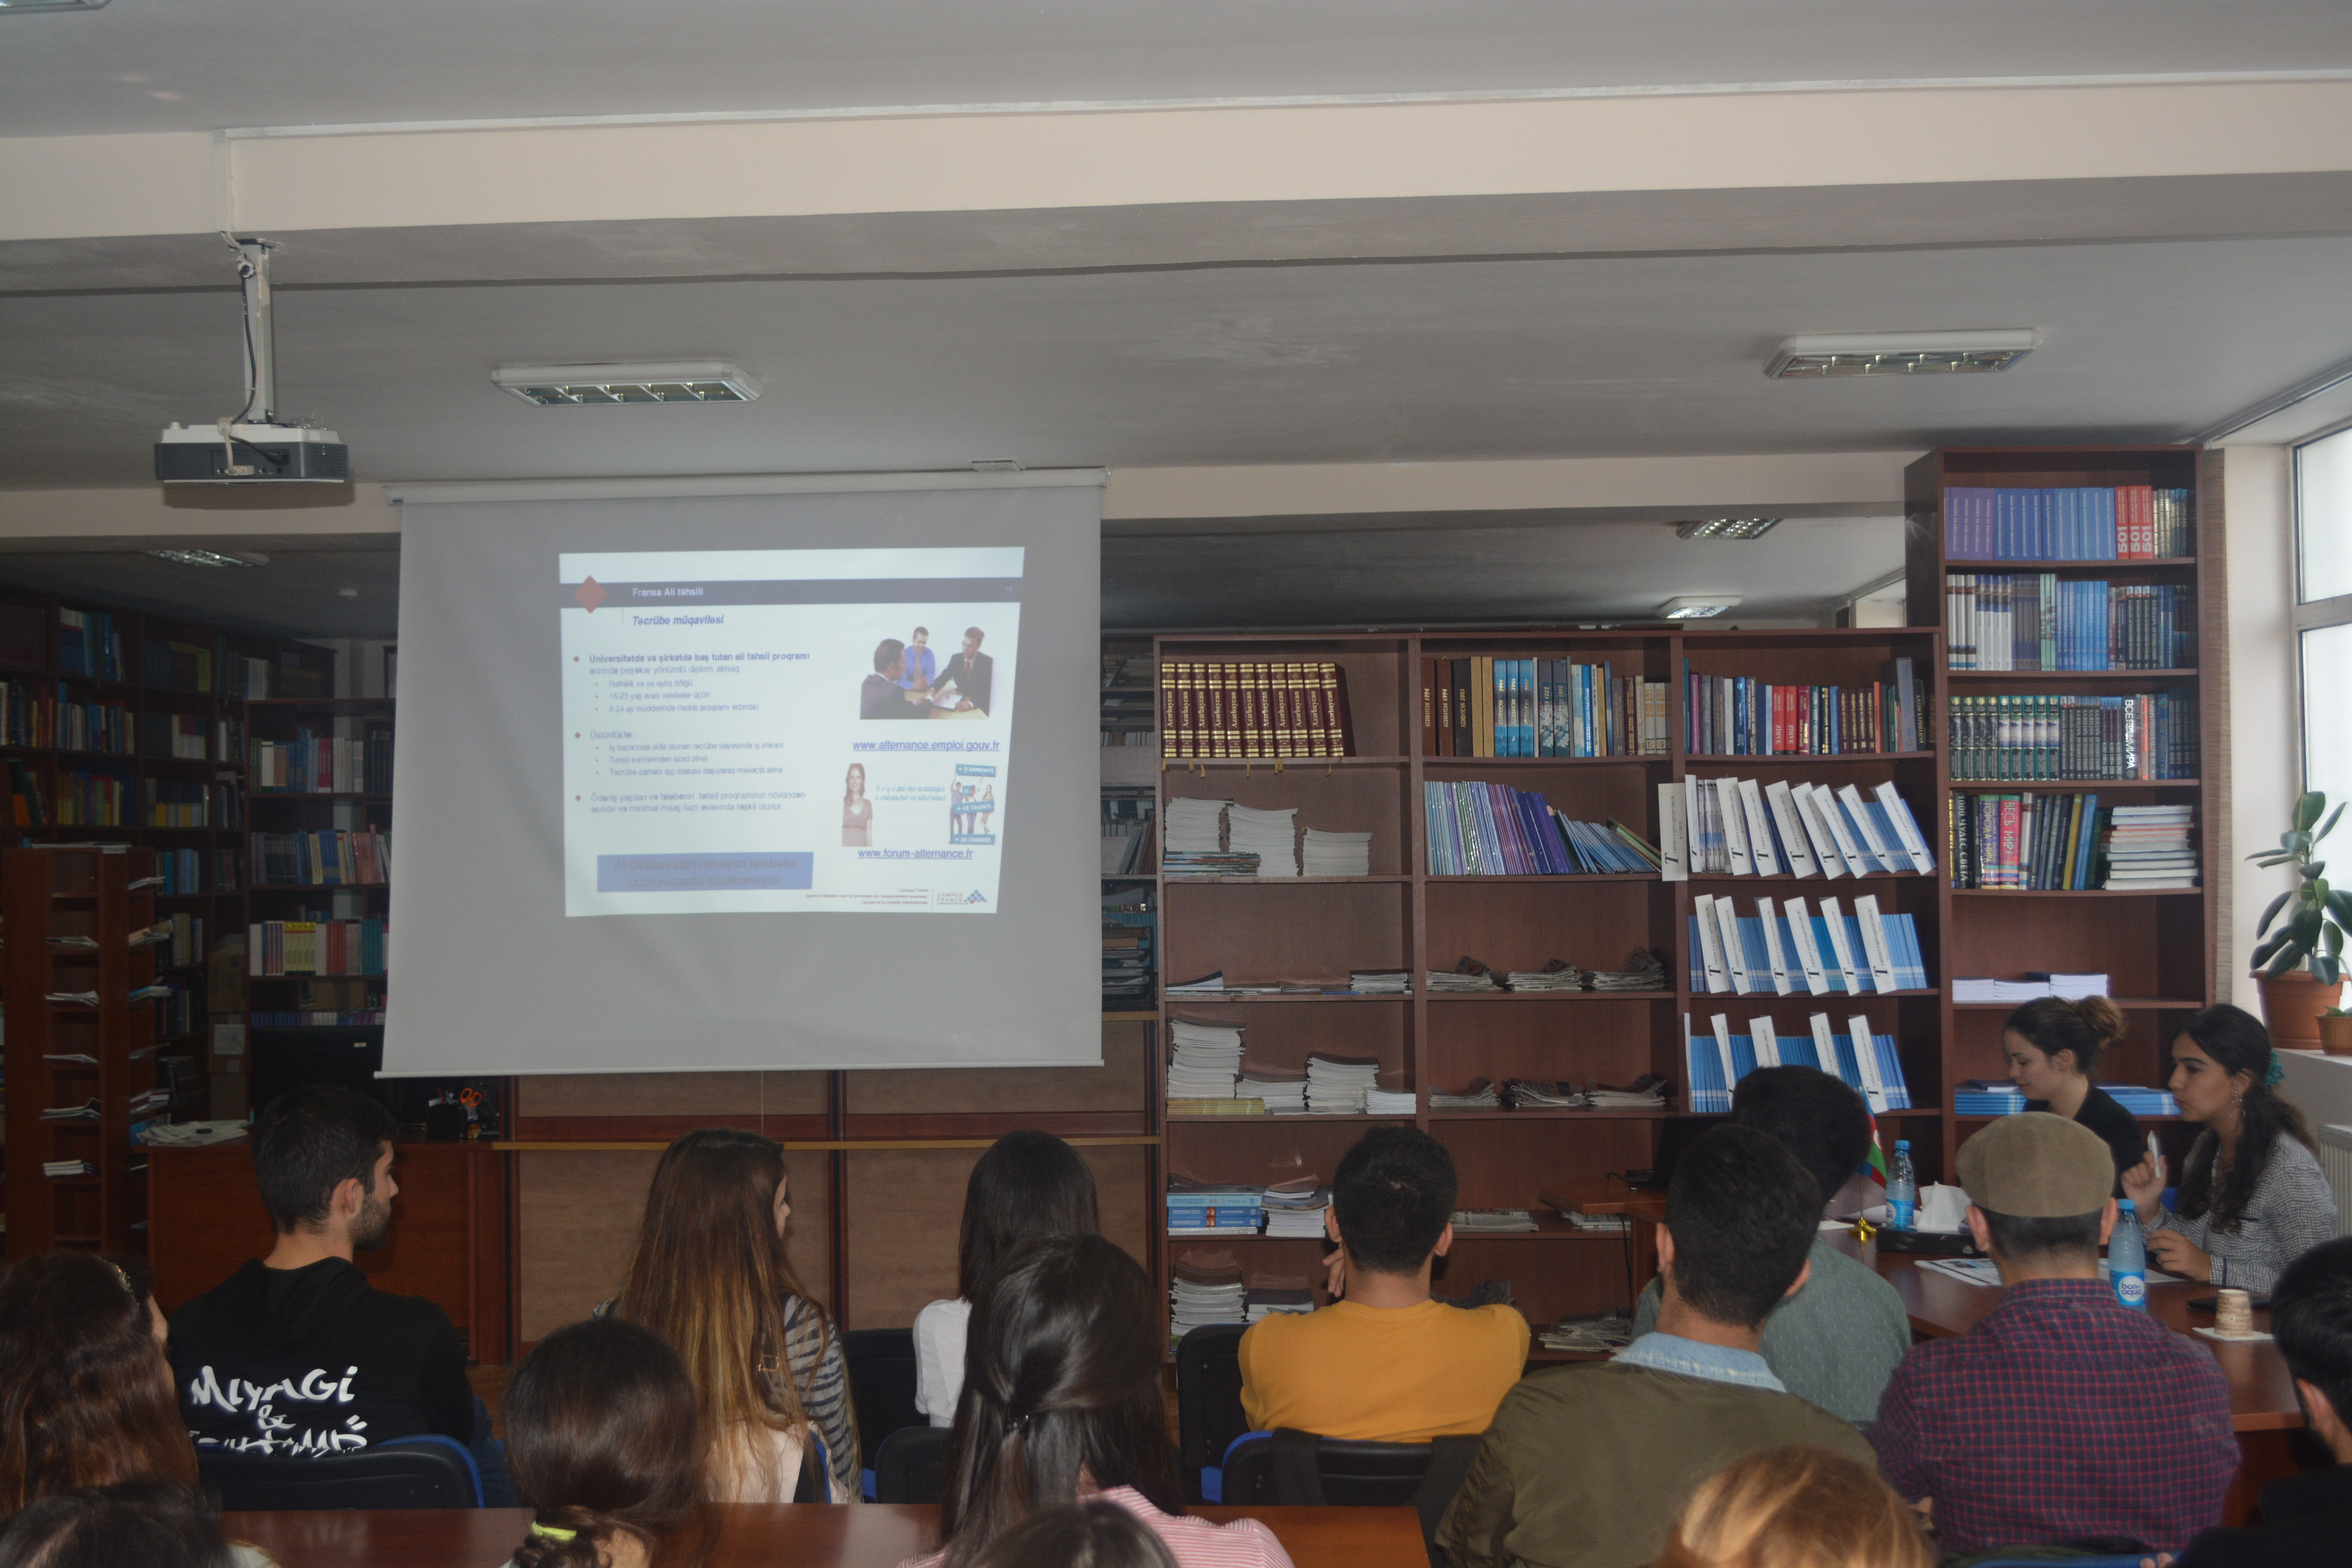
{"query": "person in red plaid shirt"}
pixel 2064 1417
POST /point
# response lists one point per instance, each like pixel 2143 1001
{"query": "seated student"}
pixel 607 1451
pixel 710 1275
pixel 2306 1518
pixel 1062 1402
pixel 1096 1534
pixel 1837 1342
pixel 1587 1467
pixel 1386 1362
pixel 150 1522
pixel 2253 1196
pixel 1796 1507
pixel 86 1397
pixel 881 696
pixel 2064 1417
pixel 2053 1047
pixel 1027 1184
pixel 296 1355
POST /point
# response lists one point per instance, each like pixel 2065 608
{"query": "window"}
pixel 2322 517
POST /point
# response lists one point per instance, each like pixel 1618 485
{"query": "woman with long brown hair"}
pixel 710 1275
pixel 86 1397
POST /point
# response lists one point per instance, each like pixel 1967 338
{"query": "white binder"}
pixel 1774 947
pixel 1783 805
pixel 1735 826
pixel 1873 943
pixel 1674 844
pixel 1759 832
pixel 1710 943
pixel 1842 950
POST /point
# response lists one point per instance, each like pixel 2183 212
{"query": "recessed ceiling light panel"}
pixel 8 6
pixel 1727 528
pixel 1829 355
pixel 1698 607
pixel 659 381
pixel 208 558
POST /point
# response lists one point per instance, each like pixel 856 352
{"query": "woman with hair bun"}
pixel 2053 1046
pixel 2252 1197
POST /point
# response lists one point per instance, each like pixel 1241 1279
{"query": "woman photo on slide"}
pixel 856 811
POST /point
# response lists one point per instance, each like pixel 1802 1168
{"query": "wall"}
pixel 2265 770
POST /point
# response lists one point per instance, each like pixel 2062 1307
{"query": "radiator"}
pixel 2335 1159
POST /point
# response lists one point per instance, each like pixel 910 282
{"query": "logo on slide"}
pixel 977 896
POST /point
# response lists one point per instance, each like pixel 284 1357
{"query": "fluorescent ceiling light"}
pixel 1727 528
pixel 1900 353
pixel 209 558
pixel 7 6
pixel 658 381
pixel 996 465
pixel 1698 607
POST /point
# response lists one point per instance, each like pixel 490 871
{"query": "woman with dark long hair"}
pixel 606 1449
pixel 1061 1401
pixel 2252 1197
pixel 86 1396
pixel 2053 1048
pixel 1027 1184
pixel 710 1275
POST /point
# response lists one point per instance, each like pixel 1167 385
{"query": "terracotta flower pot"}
pixel 2292 1004
pixel 2335 1034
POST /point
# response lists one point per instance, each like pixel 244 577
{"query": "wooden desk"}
pixel 806 1535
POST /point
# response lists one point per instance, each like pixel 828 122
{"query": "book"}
pixel 2099 523
pixel 1297 708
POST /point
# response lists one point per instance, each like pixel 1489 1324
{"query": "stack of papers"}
pixel 1647 1092
pixel 1558 976
pixel 1589 1336
pixel 2069 987
pixel 1207 1289
pixel 1389 1102
pixel 2142 1101
pixel 1296 1207
pixel 1468 974
pixel 67 1168
pixel 1642 971
pixel 1207 985
pixel 1269 835
pixel 2146 846
pixel 1380 981
pixel 1271 1293
pixel 1283 1090
pixel 87 1111
pixel 1204 1061
pixel 1337 1084
pixel 1207 863
pixel 1337 854
pixel 1477 1095
pixel 1193 826
pixel 1534 1094
pixel 192 1134
pixel 1493 1222
pixel 1987 1096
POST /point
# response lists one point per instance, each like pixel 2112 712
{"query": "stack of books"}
pixel 326 858
pixel 1380 981
pixel 1719 1057
pixel 1213 864
pixel 1478 1094
pixel 1296 1207
pixel 2033 988
pixel 1281 1090
pixel 1270 1293
pixel 1337 854
pixel 1205 1208
pixel 1129 930
pixel 1604 1335
pixel 2028 736
pixel 1557 975
pixel 1203 1061
pixel 1493 1222
pixel 1207 1289
pixel 317 947
pixel 2146 846
pixel 2038 622
pixel 1733 715
pixel 2094 522
pixel 67 1168
pixel 1379 1102
pixel 1791 952
pixel 1535 1094
pixel 1337 1085
pixel 1734 827
pixel 1454 981
pixel 2000 1097
pixel 2141 1100
pixel 1193 826
pixel 1271 836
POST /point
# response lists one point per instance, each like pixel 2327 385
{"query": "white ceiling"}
pixel 202 65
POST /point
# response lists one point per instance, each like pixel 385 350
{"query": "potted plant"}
pixel 2300 967
pixel 2335 1032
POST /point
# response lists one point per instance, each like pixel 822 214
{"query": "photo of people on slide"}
pixel 971 805
pixel 856 811
pixel 904 685
pixel 921 663
pixel 969 672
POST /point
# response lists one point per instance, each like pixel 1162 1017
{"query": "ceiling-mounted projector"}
pixel 250 447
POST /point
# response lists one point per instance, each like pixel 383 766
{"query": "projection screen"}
pixel 787 781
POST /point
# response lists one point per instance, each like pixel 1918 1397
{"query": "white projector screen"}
pixel 680 788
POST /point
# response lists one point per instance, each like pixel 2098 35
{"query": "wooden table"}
pixel 805 1536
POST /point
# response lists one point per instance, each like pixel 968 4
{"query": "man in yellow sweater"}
pixel 1385 1363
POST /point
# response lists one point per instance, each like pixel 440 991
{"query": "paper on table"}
pixel 1983 1271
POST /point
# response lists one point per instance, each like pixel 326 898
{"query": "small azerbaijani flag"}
pixel 1875 1167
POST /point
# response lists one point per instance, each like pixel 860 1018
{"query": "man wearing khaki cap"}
pixel 2064 1417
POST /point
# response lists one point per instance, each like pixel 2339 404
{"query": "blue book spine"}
pixel 1797 1051
pixel 1697 958
pixel 1743 1056
pixel 1849 1065
pixel 2110 547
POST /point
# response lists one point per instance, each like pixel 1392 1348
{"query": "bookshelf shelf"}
pixel 1713 760
pixel 2124 1004
pixel 1284 998
pixel 2078 892
pixel 2010 677
pixel 1822 883
pixel 2100 568
pixel 1290 1119
pixel 1554 1113
pixel 1635 760
pixel 1277 764
pixel 1272 881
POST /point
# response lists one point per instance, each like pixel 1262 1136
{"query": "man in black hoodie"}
pixel 296 1355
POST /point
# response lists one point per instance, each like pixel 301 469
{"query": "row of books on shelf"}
pixel 317 947
pixel 1127 837
pixel 1292 1208
pixel 1792 952
pixel 2029 737
pixel 1256 707
pixel 179 939
pixel 190 873
pixel 1643 970
pixel 318 763
pixel 2071 523
pixel 185 803
pixel 317 1019
pixel 90 643
pixel 1129 931
pixel 1485 706
pixel 1736 715
pixel 2028 842
pixel 2040 622
pixel 32 717
pixel 1719 1057
pixel 2000 1097
pixel 1738 827
pixel 326 857
pixel 83 799
pixel 1478 829
pixel 1130 670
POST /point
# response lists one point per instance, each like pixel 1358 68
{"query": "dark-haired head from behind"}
pixel 1742 1214
pixel 604 1442
pixel 1095 1535
pixel 2311 1318
pixel 150 1522
pixel 311 1141
pixel 1061 1376
pixel 1393 1195
pixel 1027 1184
pixel 1821 1120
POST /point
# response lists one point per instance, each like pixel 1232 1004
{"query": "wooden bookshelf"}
pixel 2162 947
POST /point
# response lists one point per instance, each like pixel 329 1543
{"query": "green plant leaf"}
pixel 2267 859
pixel 2307 810
pixel 2327 971
pixel 2264 950
pixel 2271 913
pixel 2300 842
pixel 2282 964
pixel 2339 906
pixel 2328 824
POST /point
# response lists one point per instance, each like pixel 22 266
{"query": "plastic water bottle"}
pixel 2127 1260
pixel 1902 1187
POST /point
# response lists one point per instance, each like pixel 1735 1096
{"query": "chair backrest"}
pixel 912 1466
pixel 881 1385
pixel 1208 1404
pixel 424 1472
pixel 2051 1558
pixel 1290 1468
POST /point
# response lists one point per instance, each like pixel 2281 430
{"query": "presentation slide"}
pixel 780 731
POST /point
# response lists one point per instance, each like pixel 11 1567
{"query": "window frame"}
pixel 2310 615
